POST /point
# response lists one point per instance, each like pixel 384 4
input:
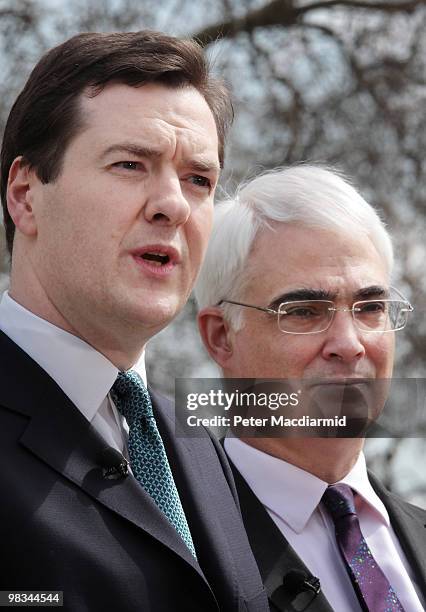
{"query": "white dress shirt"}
pixel 84 375
pixel 292 498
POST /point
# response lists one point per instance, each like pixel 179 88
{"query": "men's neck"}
pixel 329 459
pixel 121 349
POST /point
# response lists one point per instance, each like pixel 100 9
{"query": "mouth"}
pixel 157 258
pixel 342 381
pixel 340 384
pixel 342 378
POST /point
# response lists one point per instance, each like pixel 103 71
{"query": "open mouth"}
pixel 158 259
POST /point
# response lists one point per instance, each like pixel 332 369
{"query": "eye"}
pixel 371 307
pixel 128 165
pixel 303 311
pixel 200 181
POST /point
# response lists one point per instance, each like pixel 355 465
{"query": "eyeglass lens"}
pixel 311 316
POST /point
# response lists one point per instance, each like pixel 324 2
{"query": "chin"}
pixel 158 315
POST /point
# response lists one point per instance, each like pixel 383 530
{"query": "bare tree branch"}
pixel 285 13
pixel 277 12
pixel 388 7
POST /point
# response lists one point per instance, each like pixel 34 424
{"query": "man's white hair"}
pixel 308 195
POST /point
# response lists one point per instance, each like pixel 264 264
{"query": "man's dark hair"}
pixel 46 114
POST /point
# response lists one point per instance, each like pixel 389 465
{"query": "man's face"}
pixel 345 268
pixel 122 232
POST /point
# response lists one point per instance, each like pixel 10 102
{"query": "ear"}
pixel 20 197
pixel 215 332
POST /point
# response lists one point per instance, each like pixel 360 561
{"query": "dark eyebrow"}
pixel 321 294
pixel 370 292
pixel 198 165
pixel 301 295
pixel 202 166
pixel 133 149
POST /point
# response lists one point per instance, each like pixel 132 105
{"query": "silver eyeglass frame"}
pixel 334 309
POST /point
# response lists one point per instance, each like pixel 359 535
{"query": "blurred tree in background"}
pixel 337 81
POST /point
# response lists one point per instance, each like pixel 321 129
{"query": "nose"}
pixel 343 340
pixel 166 204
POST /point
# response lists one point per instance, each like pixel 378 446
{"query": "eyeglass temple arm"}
pixel 270 310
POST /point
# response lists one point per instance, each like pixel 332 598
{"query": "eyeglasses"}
pixel 316 316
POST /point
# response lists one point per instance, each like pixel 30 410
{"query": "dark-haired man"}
pixel 110 159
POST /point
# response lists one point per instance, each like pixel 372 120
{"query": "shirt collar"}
pixel 284 489
pixel 290 492
pixel 85 375
pixel 358 480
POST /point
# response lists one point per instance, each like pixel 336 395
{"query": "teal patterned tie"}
pixel 147 454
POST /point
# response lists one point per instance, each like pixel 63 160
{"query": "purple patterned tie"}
pixel 374 592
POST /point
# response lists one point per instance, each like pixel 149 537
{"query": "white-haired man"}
pixel 301 246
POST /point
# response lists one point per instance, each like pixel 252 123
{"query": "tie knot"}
pixel 131 396
pixel 339 501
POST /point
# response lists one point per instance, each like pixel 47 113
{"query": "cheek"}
pixel 268 353
pixel 198 231
pixel 381 354
pixel 302 353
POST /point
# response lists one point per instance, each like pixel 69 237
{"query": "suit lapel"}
pixel 409 524
pixel 59 435
pixel 274 555
pixel 202 486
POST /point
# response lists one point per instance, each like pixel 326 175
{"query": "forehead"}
pixel 287 257
pixel 159 115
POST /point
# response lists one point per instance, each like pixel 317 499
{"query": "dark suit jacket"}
pixel 275 557
pixel 104 543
